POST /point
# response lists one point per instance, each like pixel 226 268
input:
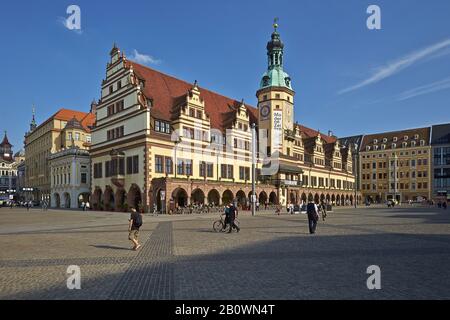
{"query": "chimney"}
pixel 330 133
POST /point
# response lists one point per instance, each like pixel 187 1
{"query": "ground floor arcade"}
pixel 166 195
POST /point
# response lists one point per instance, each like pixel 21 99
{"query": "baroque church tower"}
pixel 276 101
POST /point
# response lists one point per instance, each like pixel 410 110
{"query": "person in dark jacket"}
pixel 134 225
pixel 233 216
pixel 313 216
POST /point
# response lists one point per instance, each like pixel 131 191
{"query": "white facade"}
pixel 70 178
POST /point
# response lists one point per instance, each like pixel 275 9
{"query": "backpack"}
pixel 138 221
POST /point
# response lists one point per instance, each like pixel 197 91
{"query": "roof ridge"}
pixel 186 82
pixel 398 131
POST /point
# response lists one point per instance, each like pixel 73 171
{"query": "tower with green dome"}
pixel 276 99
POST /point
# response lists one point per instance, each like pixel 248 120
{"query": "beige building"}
pixel 396 165
pixel 160 141
pixel 52 136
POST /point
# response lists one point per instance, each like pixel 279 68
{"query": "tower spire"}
pixel 275 76
pixel 275 24
pixel 33 119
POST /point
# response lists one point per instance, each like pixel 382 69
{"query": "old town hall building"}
pixel 160 141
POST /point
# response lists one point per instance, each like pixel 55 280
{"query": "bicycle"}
pixel 219 225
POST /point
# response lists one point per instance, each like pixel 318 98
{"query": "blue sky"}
pixel 347 78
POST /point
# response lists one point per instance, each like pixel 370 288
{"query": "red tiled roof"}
pixel 313 133
pixel 86 119
pixel 168 92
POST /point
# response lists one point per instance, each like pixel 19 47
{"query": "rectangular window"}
pixel 159 167
pixel 83 178
pixel 189 167
pixel 210 170
pixel 121 166
pixel 98 170
pixel 108 169
pixel 135 164
pixel 180 166
pixel 202 168
pixel 242 173
pixel 169 165
pixel 223 170
pixel 129 165
pixel 199 114
pixel 230 174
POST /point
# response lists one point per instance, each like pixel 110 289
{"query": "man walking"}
pixel 313 216
pixel 133 228
pixel 227 217
pixel 232 221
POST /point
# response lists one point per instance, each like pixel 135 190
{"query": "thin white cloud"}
pixel 429 88
pixel 63 22
pixel 380 73
pixel 143 58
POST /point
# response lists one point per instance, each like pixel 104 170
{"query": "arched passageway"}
pixel 108 199
pixel 227 197
pixel 213 197
pixel 197 197
pixel 134 197
pixel 180 197
pixel 262 197
pixel 57 198
pixel 241 199
pixel 67 200
pixel 121 200
pixel 273 199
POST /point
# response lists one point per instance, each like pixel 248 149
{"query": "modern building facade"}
pixel 440 144
pixel 52 136
pixel 396 165
pixel 160 141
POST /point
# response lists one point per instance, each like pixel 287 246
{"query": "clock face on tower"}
pixel 265 110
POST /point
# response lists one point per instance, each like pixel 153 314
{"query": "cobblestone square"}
pixel 273 257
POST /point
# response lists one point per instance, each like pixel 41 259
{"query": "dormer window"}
pixel 405 138
pixel 413 143
pixel 375 141
pixel 287 80
pixel 416 136
pixel 394 139
pixel 375 148
pixel 404 144
pixel 368 148
pixel 422 143
pixel 384 140
pixel 383 146
pixel 394 145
